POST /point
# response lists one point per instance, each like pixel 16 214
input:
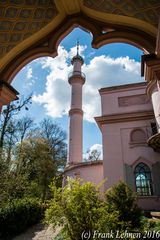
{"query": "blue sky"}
pixel 46 79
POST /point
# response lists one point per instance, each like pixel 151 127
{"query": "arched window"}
pixel 143 180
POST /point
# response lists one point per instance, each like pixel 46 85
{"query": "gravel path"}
pixel 39 232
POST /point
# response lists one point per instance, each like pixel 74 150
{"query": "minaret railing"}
pixel 76 73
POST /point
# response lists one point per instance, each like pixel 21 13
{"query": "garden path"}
pixel 38 232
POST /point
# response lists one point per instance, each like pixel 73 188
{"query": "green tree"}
pixel 35 159
pixel 8 114
pixel 35 155
pixel 13 186
pixel 56 138
pixel 10 130
pixel 42 155
pixel 93 155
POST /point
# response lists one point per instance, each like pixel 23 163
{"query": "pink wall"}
pixel 112 155
pixel 120 153
pixel 118 150
pixel 149 203
pixel 90 171
pixel 111 95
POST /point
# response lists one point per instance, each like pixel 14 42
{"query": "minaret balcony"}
pixel 77 74
pixel 73 76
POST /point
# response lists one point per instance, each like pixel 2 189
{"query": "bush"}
pixel 82 208
pixel 18 215
pixel 121 199
pixel 77 207
pixel 151 225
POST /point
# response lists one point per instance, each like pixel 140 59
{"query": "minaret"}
pixel 76 80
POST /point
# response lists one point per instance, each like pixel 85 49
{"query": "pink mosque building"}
pixel 130 127
pixel 130 119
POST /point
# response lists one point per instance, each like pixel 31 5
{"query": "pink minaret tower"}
pixel 76 80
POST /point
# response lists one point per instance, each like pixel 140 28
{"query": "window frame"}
pixel 145 186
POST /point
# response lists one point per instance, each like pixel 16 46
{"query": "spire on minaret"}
pixel 77 47
pixel 77 56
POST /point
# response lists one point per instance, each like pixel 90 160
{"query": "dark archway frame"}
pixel 102 34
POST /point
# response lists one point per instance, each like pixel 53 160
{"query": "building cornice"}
pixel 150 87
pixel 82 164
pixel 7 93
pixel 123 87
pixel 124 117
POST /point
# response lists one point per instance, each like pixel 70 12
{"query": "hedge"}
pixel 17 215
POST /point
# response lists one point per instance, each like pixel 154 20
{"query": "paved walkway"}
pixel 39 232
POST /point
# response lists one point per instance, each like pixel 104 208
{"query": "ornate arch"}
pixel 103 33
pixel 143 160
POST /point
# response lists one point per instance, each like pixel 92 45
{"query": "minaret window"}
pixel 143 180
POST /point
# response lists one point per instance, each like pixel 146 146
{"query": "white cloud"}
pixel 30 79
pixel 56 97
pixel 102 71
pixel 97 147
pixel 29 73
pixel 73 51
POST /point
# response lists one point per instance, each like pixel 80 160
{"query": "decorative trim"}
pixel 82 164
pixel 6 85
pixel 143 160
pixel 150 87
pixel 75 111
pixel 131 9
pixel 76 79
pixel 7 93
pixel 48 44
pixel 154 142
pixel 133 100
pixel 150 67
pixel 122 88
pixel 138 144
pixel 124 117
pixel 70 7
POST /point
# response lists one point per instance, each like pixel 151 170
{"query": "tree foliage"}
pixel 93 155
pixel 31 154
pixel 7 125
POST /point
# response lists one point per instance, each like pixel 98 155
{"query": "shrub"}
pixel 152 225
pixel 82 208
pixel 17 215
pixel 77 207
pixel 121 199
